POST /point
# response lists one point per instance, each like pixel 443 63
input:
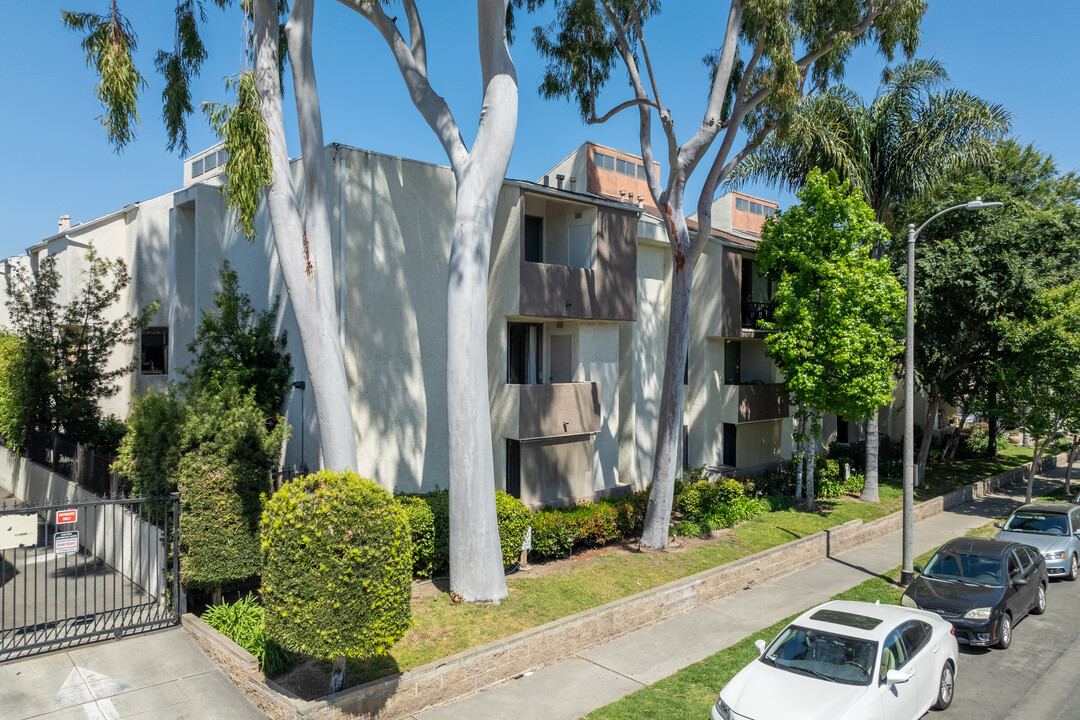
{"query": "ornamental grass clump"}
pixel 337 568
pixel 242 622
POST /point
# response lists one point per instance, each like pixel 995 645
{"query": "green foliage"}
pixel 178 67
pixel 829 479
pixel 14 392
pixel 234 345
pixel 975 440
pixel 247 141
pixel 242 622
pixel 226 458
pixel 110 433
pixel 337 566
pixel 715 503
pixel 557 531
pixel 110 44
pixel 422 528
pixel 149 453
pixel 839 313
pixel 513 518
pixel 687 529
pixel 67 361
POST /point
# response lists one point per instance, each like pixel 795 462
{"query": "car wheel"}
pixel 945 687
pixel 1005 632
pixel 1040 600
pixel 1074 569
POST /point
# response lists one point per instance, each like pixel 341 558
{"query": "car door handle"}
pixel 937 649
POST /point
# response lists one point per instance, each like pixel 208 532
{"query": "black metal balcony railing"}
pixel 753 313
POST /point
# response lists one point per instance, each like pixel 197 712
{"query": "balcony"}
pixel 762 401
pixel 754 313
pixel 558 409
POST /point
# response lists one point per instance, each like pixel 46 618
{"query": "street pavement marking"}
pixel 91 691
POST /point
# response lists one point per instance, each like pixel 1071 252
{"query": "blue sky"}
pixel 57 160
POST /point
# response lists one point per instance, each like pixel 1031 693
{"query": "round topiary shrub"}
pixel 337 567
pixel 513 523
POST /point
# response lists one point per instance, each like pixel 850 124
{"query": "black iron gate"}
pixel 85 571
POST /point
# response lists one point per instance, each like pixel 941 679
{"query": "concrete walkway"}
pixel 157 676
pixel 583 683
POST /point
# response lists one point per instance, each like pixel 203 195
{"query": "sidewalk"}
pixel 157 676
pixel 576 686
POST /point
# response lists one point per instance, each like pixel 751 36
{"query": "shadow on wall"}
pixel 399 217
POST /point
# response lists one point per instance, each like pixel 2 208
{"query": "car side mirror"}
pixel 918 568
pixel 1019 581
pixel 896 677
pixel 999 526
pixel 760 645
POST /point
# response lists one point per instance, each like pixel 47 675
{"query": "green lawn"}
pixel 943 478
pixel 442 628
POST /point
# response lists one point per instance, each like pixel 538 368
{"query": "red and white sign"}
pixel 66 516
pixel 66 543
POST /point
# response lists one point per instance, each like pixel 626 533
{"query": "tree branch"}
pixel 645 55
pixel 748 71
pixel 618 109
pixel 432 107
pixel 417 39
pixel 858 29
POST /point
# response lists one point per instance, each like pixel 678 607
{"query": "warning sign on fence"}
pixel 66 543
pixel 66 516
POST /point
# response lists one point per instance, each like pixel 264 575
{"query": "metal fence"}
pixel 85 571
pixel 87 468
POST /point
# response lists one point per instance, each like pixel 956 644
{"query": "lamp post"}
pixel 301 386
pixel 907 569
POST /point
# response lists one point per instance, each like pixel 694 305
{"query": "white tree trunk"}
pixel 815 441
pixel 305 265
pixel 669 424
pixel 1036 458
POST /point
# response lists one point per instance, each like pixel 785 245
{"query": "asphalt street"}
pixel 1037 677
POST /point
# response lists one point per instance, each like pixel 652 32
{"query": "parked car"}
pixel 847 661
pixel 983 587
pixel 1051 528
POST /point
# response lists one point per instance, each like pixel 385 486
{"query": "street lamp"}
pixel 907 570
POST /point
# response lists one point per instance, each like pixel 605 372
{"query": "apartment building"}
pixel 577 309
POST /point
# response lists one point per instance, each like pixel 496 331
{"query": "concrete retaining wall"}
pixel 116 536
pixel 407 693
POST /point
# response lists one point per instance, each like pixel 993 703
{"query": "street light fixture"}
pixel 907 570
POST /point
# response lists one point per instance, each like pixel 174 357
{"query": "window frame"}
pixel 162 331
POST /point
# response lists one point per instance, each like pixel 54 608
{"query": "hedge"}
pixel 429 520
pixel 337 566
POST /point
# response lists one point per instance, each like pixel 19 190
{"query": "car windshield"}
pixel 824 655
pixel 1035 523
pixel 965 567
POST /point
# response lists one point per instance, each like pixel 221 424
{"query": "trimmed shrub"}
pixel 513 518
pixel 227 456
pixel 553 533
pixel 149 453
pixel 242 622
pixel 687 529
pixel 719 503
pixel 828 479
pixel 337 566
pixel 14 392
pixel 422 528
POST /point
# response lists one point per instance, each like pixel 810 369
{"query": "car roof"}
pixel 888 615
pixel 977 546
pixel 1047 508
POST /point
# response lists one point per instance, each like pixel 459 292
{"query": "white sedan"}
pixel 847 661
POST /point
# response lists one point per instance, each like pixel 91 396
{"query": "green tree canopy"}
pixel 14 391
pixel 839 312
pixel 234 345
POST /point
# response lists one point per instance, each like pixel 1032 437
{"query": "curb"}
pixel 448 679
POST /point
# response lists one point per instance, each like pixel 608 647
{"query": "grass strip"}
pixel 692 691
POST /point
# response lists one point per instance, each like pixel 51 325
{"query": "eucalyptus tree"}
pixel 258 172
pixel 839 311
pixel 772 56
pixel 909 137
pixel 476 570
pixel 258 165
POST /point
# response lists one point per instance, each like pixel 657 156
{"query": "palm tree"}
pixel 893 150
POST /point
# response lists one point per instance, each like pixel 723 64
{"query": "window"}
pixel 625 167
pixel 196 168
pixel 769 211
pixel 154 352
pixel 534 239
pixel 742 204
pixel 1014 565
pixel 732 359
pixel 602 161
pixel 915 634
pixel 755 208
pixel 523 356
pixel 641 172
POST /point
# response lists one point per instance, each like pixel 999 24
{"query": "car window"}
pixel 1044 523
pixel 1014 564
pixel 915 634
pixel 966 567
pixel 893 654
pixel 823 654
pixel 1033 557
